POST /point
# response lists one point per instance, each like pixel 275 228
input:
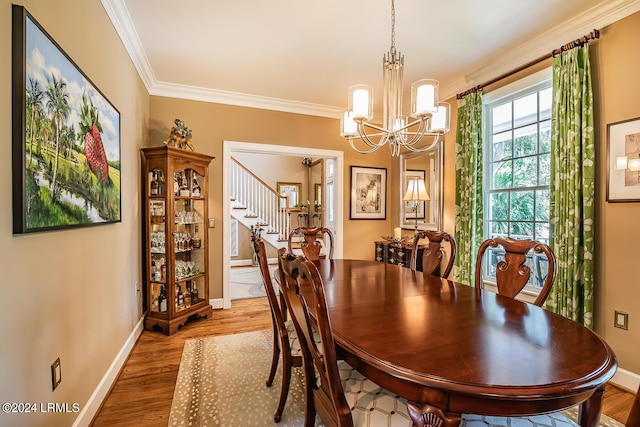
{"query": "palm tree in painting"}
pixel 58 105
pixel 35 101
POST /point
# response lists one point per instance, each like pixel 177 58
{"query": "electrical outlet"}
pixel 56 373
pixel 212 223
pixel 621 320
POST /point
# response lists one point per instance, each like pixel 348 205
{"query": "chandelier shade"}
pixel 419 131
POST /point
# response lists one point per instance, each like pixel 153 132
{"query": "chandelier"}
pixel 428 118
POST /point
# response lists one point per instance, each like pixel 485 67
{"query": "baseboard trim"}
pixel 90 409
pixel 217 303
pixel 627 380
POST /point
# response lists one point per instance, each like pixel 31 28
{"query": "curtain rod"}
pixel 593 35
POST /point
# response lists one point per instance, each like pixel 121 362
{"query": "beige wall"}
pixel 617 87
pixel 70 294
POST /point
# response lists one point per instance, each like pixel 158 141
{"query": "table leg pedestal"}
pixel 424 415
pixel 590 409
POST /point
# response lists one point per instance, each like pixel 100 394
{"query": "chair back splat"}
pixel 434 253
pixel 513 270
pixel 285 339
pixel 311 244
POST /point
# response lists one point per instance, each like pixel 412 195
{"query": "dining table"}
pixel 449 351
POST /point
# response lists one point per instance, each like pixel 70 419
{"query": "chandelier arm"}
pixel 353 147
pixel 384 136
pixel 423 149
pixel 372 126
pixel 422 129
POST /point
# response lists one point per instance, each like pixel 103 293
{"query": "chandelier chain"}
pixel 393 25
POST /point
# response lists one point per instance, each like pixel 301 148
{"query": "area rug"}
pixel 221 382
pixel 246 282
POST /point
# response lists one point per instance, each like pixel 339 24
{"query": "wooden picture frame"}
pixel 65 136
pixel 291 189
pixel 623 161
pixel 368 193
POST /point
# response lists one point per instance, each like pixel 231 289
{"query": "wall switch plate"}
pixel 621 320
pixel 56 373
pixel 212 223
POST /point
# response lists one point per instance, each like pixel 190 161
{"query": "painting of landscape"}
pixel 66 138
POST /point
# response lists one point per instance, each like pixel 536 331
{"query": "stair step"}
pixel 272 232
pixel 251 216
pixel 262 224
pixel 238 207
pixel 233 199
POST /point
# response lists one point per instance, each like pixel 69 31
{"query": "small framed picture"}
pixel 368 193
pixel 623 156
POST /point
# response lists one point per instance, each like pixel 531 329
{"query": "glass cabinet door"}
pixel 188 242
pixel 157 269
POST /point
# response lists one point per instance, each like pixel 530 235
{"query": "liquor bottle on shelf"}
pixel 153 184
pixel 196 242
pixel 196 191
pixel 161 184
pixel 184 185
pixel 194 293
pixel 162 300
pixel 176 183
pixel 180 297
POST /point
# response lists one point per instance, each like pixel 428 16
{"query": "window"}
pixel 517 169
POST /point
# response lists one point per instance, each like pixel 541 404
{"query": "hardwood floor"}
pixel 144 389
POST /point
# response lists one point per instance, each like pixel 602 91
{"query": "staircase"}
pixel 256 204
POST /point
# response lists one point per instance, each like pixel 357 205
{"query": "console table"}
pixel 397 253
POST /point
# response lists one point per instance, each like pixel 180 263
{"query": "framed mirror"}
pixel 292 190
pixel 316 199
pixel 419 210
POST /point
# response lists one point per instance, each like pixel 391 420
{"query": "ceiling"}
pixel 302 56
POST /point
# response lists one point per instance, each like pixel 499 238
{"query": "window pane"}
pixel 546 97
pixel 542 233
pixel 521 206
pixel 545 136
pixel 499 229
pixel 501 117
pixel 502 173
pixel 502 146
pixel 542 205
pixel 545 170
pixel 525 110
pixel 525 173
pixel 526 141
pixel 499 206
pixel 521 230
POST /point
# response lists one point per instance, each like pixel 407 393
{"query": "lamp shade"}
pixel 634 165
pixel 416 190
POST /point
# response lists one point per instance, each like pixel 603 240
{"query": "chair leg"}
pixel 275 357
pixel 284 390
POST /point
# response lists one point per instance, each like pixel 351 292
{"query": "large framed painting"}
pixel 66 138
pixel 368 193
pixel 623 149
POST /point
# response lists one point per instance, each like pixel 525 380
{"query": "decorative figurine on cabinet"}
pixel 180 136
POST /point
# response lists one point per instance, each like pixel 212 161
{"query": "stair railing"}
pixel 260 200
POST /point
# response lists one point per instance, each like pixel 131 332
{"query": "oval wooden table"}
pixel 448 352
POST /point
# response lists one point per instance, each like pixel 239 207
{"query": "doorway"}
pixel 336 195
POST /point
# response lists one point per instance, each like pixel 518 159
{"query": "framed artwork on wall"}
pixel 65 136
pixel 623 161
pixel 368 193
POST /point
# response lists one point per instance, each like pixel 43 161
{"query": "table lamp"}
pixel 416 191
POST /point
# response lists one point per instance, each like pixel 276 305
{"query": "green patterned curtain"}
pixel 572 186
pixel 468 226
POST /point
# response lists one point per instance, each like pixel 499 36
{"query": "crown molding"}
pixel 194 93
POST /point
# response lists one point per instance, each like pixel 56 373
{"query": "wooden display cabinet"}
pixel 176 249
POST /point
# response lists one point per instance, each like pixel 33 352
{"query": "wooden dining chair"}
pixel 512 272
pixel 313 241
pixel 285 339
pixel 334 390
pixel 634 416
pixel 434 253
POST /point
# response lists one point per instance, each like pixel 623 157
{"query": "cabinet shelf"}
pixel 171 224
